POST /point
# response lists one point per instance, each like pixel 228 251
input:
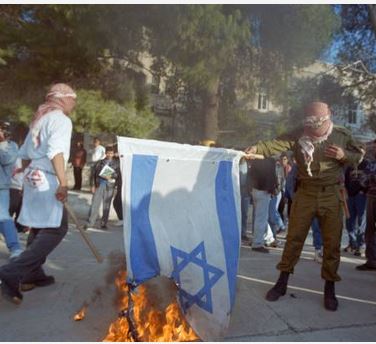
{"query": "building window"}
pixel 352 115
pixel 262 101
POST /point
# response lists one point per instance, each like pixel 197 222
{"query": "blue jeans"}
pixel 7 226
pixel 261 200
pixel 245 201
pixel 355 225
pixel 275 219
pixel 317 241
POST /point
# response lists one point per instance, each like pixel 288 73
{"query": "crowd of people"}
pixel 294 183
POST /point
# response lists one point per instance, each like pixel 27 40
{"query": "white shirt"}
pixel 40 208
pixel 98 153
pixel 55 135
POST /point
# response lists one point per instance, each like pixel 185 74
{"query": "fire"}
pixel 142 320
pixel 81 314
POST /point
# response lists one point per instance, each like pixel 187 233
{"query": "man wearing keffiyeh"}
pixel 321 149
pixel 44 155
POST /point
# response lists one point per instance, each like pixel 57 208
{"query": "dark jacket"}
pixel 263 175
pixel 369 178
pixel 352 180
pixel 114 164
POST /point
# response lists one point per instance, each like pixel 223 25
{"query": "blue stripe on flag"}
pixel 226 210
pixel 143 251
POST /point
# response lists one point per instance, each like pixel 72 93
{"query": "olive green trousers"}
pixel 324 203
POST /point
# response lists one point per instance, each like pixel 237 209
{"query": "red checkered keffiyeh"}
pixel 59 97
pixel 317 127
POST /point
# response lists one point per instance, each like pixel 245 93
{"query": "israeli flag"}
pixel 182 220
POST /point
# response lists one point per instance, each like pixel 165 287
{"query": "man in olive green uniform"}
pixel 321 150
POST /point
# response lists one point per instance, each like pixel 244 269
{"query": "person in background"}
pixel 16 193
pixel 284 161
pixel 118 203
pixel 8 156
pixel 105 175
pixel 321 150
pixel 356 201
pixel 97 154
pixel 245 196
pixel 44 154
pixel 78 160
pixel 317 240
pixel 275 219
pixel 264 182
pixel 368 181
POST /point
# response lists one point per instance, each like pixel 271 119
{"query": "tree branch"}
pixel 128 60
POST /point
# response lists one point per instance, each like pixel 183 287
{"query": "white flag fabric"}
pixel 182 220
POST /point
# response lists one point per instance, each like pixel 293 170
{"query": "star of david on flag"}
pixel 211 275
pixel 182 206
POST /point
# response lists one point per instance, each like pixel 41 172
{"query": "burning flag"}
pixel 182 206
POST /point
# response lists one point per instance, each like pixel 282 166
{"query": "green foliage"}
pixel 95 114
pixel 24 114
pixel 4 55
pixel 200 47
pixel 198 40
pixel 17 113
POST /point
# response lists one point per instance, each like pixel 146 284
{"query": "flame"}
pixel 148 324
pixel 81 314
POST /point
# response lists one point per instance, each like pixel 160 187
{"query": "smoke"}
pixel 115 263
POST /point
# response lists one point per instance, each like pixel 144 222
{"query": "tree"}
pixel 95 114
pixel 88 46
pixel 199 41
pixel 247 46
pixel 205 47
pixel 357 54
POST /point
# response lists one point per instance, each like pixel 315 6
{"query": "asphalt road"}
pixel 46 314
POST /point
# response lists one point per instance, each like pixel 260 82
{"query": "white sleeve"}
pixel 59 136
pixel 103 153
pixel 22 153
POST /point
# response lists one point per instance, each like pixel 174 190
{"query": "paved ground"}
pixel 46 313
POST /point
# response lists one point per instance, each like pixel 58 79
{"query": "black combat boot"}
pixel 279 288
pixel 330 300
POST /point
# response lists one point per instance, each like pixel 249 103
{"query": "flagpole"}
pixel 92 247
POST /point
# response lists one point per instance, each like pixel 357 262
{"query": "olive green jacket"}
pixel 325 171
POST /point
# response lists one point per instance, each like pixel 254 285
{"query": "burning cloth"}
pixel 182 206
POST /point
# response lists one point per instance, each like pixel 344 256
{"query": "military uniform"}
pixel 317 196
